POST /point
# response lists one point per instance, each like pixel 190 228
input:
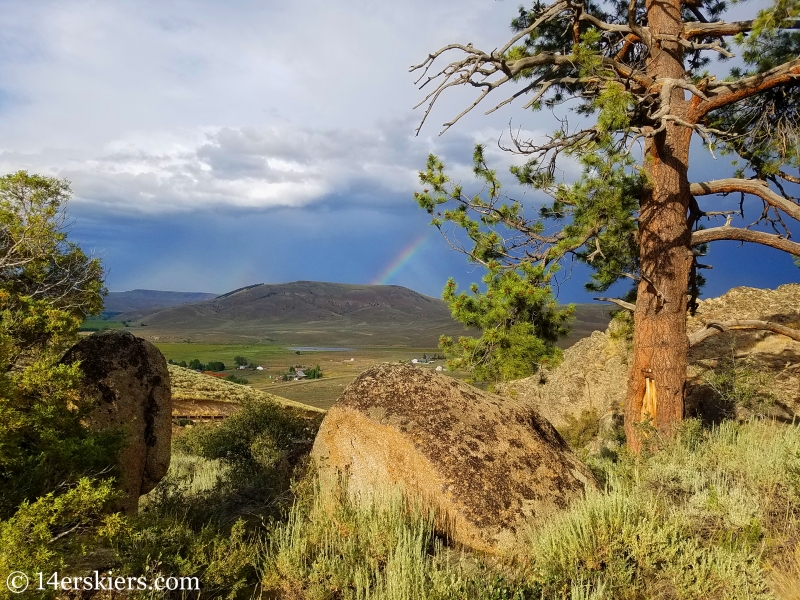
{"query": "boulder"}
pixel 486 464
pixel 127 379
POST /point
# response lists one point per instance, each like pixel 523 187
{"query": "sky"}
pixel 213 145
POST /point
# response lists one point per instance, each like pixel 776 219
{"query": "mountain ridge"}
pixel 136 303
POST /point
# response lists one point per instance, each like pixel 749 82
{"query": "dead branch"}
pixel 756 187
pixel 715 327
pixel 724 93
pixel 738 234
pixel 619 302
pixel 694 29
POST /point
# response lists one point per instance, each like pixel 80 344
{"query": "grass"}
pixel 190 385
pixel 338 370
pixel 713 514
pixel 255 353
pixel 100 325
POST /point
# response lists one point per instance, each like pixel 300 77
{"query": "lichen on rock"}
pixel 128 381
pixel 486 464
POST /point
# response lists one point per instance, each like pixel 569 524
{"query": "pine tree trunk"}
pixel 660 342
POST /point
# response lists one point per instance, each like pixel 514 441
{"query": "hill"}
pixel 138 303
pixel 190 386
pixel 309 313
pixel 312 313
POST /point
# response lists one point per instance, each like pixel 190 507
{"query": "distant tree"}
pixel 196 364
pixel 314 373
pixel 240 361
pixel 183 364
pixel 214 365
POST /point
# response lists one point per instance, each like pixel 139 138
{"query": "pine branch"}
pixel 693 29
pixel 621 303
pixel 725 93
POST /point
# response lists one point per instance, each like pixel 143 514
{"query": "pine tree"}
pixel 635 73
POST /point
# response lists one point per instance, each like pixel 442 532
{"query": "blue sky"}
pixel 213 145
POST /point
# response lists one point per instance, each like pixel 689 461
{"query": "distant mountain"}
pixel 312 313
pixel 140 302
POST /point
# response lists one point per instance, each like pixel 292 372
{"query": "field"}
pixel 339 368
pixel 98 324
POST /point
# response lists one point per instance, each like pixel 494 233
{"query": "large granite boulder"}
pixel 128 380
pixel 486 464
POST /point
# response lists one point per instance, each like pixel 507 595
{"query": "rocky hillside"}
pixel 760 368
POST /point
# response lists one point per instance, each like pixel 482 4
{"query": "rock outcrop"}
pixel 127 379
pixel 486 464
pixel 592 377
pixel 594 372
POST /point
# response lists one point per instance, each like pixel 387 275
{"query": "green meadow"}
pixel 97 324
pixel 256 353
pixel 337 367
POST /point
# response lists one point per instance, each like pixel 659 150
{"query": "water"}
pixel 320 349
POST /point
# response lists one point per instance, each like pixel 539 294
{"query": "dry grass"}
pixel 190 385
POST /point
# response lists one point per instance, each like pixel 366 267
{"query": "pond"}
pixel 320 349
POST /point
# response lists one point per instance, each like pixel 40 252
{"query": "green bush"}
pixel 208 517
pixel 259 438
pixel 580 431
pixel 56 528
pixel 225 560
pixel 739 387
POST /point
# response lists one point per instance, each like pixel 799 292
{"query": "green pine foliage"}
pixel 55 473
pixel 47 288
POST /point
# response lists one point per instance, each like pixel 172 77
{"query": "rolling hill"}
pixel 311 313
pixel 138 303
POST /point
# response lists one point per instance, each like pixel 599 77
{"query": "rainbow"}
pixel 398 263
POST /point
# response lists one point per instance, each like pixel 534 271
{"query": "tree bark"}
pixel 660 343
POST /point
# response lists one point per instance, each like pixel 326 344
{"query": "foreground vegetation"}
pixel 712 514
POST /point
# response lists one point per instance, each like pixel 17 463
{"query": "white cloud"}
pixel 180 105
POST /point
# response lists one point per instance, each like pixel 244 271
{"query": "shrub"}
pixel 42 535
pixel 739 386
pixel 694 518
pixel 579 432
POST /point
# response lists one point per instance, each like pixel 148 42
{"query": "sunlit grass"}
pixel 713 514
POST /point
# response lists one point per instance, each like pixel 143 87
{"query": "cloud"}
pixel 155 107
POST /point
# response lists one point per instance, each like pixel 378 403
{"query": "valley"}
pixel 342 328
